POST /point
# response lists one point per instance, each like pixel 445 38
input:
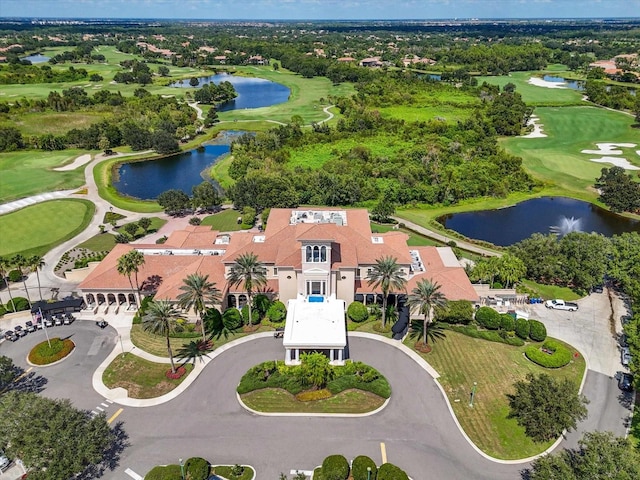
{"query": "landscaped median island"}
pixel 197 468
pixel 51 351
pixel 314 386
pixel 142 378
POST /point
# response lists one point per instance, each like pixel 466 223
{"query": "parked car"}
pixel 624 319
pixel 625 382
pixel 597 289
pixel 10 335
pixel 21 332
pixel 30 327
pixel 625 356
pixel 4 461
pixel 102 323
pixel 623 340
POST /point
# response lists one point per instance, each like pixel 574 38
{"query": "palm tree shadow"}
pixel 29 382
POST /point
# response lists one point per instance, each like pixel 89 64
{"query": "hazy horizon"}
pixel 363 10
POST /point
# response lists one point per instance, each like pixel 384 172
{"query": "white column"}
pixel 340 353
pixel 287 356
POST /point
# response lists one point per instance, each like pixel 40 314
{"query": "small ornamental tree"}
pixel 197 468
pixel 488 318
pixel 507 323
pixel 357 312
pixel 389 471
pixel 277 312
pixel 359 468
pixel 538 332
pixel 335 467
pixel 545 407
pixel 522 328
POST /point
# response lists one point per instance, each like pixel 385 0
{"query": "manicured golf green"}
pixel 532 94
pixel 36 229
pixel 558 158
pixel 28 172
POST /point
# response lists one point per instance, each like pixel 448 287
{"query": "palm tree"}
pixel 36 262
pixel 197 293
pixel 20 262
pixel 4 267
pixel 425 297
pixel 194 350
pixel 386 274
pixel 248 271
pixel 125 268
pixel 162 319
pixel 433 331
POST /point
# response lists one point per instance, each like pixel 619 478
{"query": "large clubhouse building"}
pixel 317 262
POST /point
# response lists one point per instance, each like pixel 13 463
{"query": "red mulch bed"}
pixel 422 347
pixel 180 371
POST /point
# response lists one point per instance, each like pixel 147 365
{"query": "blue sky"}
pixel 320 9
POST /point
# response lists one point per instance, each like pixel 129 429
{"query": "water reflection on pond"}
pixel 509 225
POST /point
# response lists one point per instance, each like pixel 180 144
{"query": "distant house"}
pixel 258 60
pixel 346 59
pixel 372 62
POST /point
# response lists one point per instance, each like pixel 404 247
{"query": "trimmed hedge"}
pixel 277 312
pixel 490 335
pixel 335 467
pixel 168 472
pixel 507 322
pixel 197 468
pixel 559 357
pixel 359 468
pixel 389 471
pixel 523 328
pixel 488 318
pixel 538 332
pixel 455 311
pixel 232 318
pixel 15 275
pixel 42 354
pixel 21 304
pixel 357 312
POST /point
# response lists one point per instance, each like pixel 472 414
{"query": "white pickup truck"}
pixel 561 305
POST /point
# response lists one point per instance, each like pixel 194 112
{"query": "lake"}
pixel 252 92
pixel 509 225
pixel 36 58
pixel 146 180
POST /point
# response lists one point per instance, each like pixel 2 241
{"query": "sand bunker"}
pixel 616 161
pixel 78 162
pixel 537 128
pixel 609 148
pixel 538 82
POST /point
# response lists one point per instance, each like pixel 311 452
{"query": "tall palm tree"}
pixel 249 272
pixel 36 263
pixel 162 319
pixel 386 275
pixel 198 291
pixel 125 268
pixel 20 262
pixel 425 297
pixel 4 267
pixel 137 260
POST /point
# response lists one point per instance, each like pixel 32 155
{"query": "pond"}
pixel 146 180
pixel 572 84
pixel 252 92
pixel 38 58
pixel 544 215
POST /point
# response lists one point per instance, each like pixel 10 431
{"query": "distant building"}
pixel 371 62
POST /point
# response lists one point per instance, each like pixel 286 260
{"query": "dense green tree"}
pixel 541 256
pixel 599 456
pixel 249 272
pixel 205 196
pixel 387 276
pixel 315 369
pixel 545 407
pixel 585 258
pixel 197 293
pixel 173 201
pixel 20 262
pixel 624 263
pixel 131 229
pixel 162 318
pixel 164 142
pixel 53 439
pixel 144 223
pixel 618 190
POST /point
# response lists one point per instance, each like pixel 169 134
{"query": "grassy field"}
pixel 415 240
pixel 55 123
pixel 140 377
pixel 102 242
pixel 224 221
pixel 461 361
pixel 447 103
pixel 278 400
pixel 36 229
pixel 549 292
pixel 532 94
pixel 29 172
pixel 557 158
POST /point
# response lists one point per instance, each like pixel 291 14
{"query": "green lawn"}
pixel 226 472
pixel 279 400
pixel 415 240
pixel 461 361
pixel 28 172
pixel 549 292
pixel 557 158
pixel 102 242
pixel 141 378
pixel 450 113
pixel 224 221
pixel 36 229
pixel 532 94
